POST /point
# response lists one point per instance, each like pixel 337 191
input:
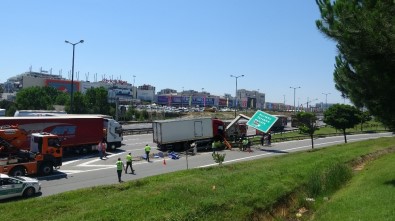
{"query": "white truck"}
pixel 179 134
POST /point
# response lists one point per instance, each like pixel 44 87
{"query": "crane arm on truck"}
pixel 45 154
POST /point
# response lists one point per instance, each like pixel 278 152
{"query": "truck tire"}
pixel 111 146
pixel 46 169
pixel 85 150
pixel 29 192
pixel 18 171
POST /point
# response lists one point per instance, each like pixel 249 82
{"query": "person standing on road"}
pixel 263 139
pixel 99 147
pixel 269 139
pixel 104 148
pixel 120 167
pixel 147 151
pixel 245 143
pixel 129 163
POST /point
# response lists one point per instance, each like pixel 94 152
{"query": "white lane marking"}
pixel 102 167
pixel 290 149
pixel 71 171
pixel 208 165
pixel 69 162
pixel 96 160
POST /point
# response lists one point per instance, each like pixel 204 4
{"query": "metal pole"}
pixel 134 85
pixel 182 98
pixel 72 82
pixel 236 99
pixel 72 75
pixel 235 105
pixel 294 97
pixel 326 100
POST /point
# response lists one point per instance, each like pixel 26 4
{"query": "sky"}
pixel 177 44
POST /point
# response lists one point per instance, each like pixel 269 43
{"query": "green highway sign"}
pixel 262 121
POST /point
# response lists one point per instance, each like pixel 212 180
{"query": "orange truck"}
pixel 44 155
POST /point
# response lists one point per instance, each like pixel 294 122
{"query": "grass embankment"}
pixel 242 191
pixel 368 196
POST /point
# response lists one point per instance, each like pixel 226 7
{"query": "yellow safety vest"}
pixel 147 148
pixel 119 165
pixel 129 158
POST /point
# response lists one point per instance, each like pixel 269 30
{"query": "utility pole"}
pixel 235 105
pixel 72 74
pixel 294 97
pixel 326 100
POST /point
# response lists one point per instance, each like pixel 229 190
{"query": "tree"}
pixel 342 117
pixel 307 124
pixel 365 34
pixel 96 99
pixel 62 99
pixel 9 106
pixel 365 116
pixel 36 98
pixel 79 106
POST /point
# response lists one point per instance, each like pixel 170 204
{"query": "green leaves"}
pixel 365 35
pixel 307 124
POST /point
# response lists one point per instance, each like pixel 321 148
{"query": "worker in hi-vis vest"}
pixel 120 167
pixel 147 151
pixel 129 163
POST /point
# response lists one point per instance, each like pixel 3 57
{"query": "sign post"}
pixel 262 121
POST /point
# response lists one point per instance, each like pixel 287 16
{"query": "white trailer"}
pixel 177 134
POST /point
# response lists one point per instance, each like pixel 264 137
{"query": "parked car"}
pixel 18 186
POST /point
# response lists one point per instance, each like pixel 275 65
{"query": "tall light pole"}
pixel 256 101
pixel 236 77
pixel 284 101
pixel 294 97
pixel 182 100
pixel 134 85
pixel 72 74
pixel 326 99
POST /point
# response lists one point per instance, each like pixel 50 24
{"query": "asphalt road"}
pixel 90 171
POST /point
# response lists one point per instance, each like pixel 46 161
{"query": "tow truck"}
pixel 44 155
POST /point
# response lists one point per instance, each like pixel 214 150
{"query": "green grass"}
pixel 368 196
pixel 242 191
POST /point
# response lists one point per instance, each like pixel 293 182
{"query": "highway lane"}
pixel 90 171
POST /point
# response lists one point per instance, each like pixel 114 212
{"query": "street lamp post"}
pixel 72 74
pixel 294 97
pixel 235 105
pixel 326 99
pixel 182 100
pixel 134 85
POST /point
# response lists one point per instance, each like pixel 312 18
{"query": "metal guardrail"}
pixel 137 131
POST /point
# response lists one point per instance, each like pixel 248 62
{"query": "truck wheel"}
pixel 111 146
pixel 46 169
pixel 18 171
pixel 84 150
pixel 29 192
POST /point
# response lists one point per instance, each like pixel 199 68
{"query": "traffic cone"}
pixel 164 161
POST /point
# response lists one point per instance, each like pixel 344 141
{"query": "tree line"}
pixel 94 101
